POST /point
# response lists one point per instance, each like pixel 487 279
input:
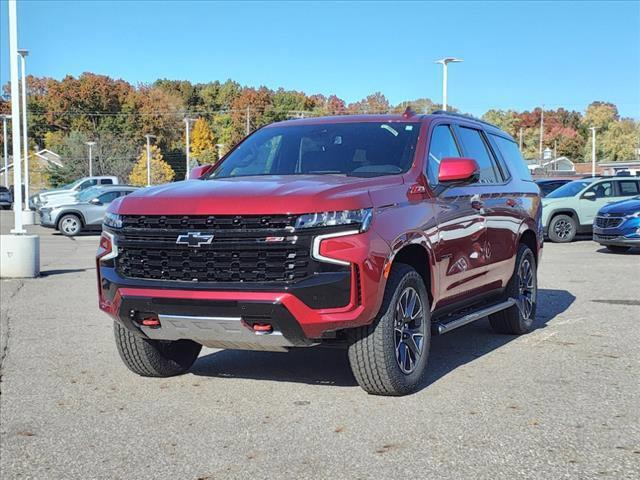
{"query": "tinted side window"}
pixel 475 148
pixel 512 156
pixel 602 190
pixel 106 181
pixel 87 184
pixel 442 145
pixel 629 188
pixel 109 197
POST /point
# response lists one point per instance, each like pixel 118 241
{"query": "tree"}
pixel 374 103
pixel 161 171
pixel 202 141
pixel 620 141
pixel 600 115
pixel 507 120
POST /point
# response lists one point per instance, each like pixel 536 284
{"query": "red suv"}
pixel 370 232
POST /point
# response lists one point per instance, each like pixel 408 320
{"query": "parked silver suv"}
pixel 86 213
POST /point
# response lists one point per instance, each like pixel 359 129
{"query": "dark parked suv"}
pixel 370 232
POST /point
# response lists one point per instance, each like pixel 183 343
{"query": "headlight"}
pixel 112 220
pixel 357 218
pixel 633 215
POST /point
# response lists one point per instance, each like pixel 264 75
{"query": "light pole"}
pixel 541 132
pixel 23 55
pixel 593 151
pixel 5 152
pixel 148 136
pixel 90 144
pixel 444 62
pixel 187 122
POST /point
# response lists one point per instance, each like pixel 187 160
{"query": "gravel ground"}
pixel 561 402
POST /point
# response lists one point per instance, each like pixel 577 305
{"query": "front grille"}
pixel 244 249
pixel 600 236
pixel 608 222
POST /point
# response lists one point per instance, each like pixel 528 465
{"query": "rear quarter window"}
pixel 511 154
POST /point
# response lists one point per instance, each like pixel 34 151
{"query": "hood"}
pixel 256 195
pixel 624 207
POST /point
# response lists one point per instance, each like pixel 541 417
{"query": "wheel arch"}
pixel 77 213
pixel 564 211
pixel 418 256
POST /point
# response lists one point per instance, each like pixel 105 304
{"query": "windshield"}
pixel 69 186
pixel 570 189
pixel 365 149
pixel 88 194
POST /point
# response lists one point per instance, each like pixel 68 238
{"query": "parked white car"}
pixel 68 193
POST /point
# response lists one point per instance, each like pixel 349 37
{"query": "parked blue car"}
pixel 617 225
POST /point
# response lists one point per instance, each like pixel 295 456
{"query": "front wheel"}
pixel 154 358
pixel 562 229
pixel 70 225
pixel 617 248
pixel 389 357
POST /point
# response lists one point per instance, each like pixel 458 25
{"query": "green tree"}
pixel 620 141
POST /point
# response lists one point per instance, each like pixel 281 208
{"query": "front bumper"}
pixel 223 315
pixel 626 234
pixel 47 219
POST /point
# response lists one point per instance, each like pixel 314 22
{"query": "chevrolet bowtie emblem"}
pixel 194 239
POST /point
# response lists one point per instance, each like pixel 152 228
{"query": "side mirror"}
pixel 460 171
pixel 95 201
pixel 589 196
pixel 199 171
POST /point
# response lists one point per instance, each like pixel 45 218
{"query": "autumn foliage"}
pixel 161 171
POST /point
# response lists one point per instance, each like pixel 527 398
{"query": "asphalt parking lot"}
pixel 561 402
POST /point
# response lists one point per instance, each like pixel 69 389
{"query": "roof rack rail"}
pixel 462 115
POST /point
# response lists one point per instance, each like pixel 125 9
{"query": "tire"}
pixel 154 358
pixel 562 229
pixel 70 225
pixel 380 356
pixel 518 319
pixel 617 248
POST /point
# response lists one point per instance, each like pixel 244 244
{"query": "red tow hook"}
pixel 150 322
pixel 262 328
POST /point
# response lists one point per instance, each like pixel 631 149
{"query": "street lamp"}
pixel 90 144
pixel 6 146
pixel 593 151
pixel 187 122
pixel 444 62
pixel 148 136
pixel 23 55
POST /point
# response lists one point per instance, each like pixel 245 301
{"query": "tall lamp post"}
pixel 148 136
pixel 23 55
pixel 19 252
pixel 6 146
pixel 593 151
pixel 445 62
pixel 187 122
pixel 90 145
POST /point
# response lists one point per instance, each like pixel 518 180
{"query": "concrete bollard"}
pixel 19 256
pixel 28 217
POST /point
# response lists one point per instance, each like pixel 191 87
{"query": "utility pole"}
pixel 593 151
pixel 248 127
pixel 521 143
pixel 5 152
pixel 445 62
pixel 23 55
pixel 90 144
pixel 187 122
pixel 541 131
pixel 148 136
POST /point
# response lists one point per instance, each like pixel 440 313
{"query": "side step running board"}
pixel 444 327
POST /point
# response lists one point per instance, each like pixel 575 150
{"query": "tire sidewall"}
pixel 526 253
pixel 402 381
pixel 552 233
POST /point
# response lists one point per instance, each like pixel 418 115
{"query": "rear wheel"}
pixel 523 288
pixel 389 357
pixel 617 248
pixel 70 225
pixel 154 358
pixel 562 229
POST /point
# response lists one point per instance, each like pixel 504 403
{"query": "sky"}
pixel 517 55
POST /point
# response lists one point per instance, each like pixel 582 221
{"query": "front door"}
pixel 588 207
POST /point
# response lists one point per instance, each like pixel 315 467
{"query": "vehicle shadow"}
pixel 62 271
pixel 330 366
pixel 631 251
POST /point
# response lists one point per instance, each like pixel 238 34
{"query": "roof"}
pixel 388 117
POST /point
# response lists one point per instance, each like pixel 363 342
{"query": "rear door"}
pixel 462 232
